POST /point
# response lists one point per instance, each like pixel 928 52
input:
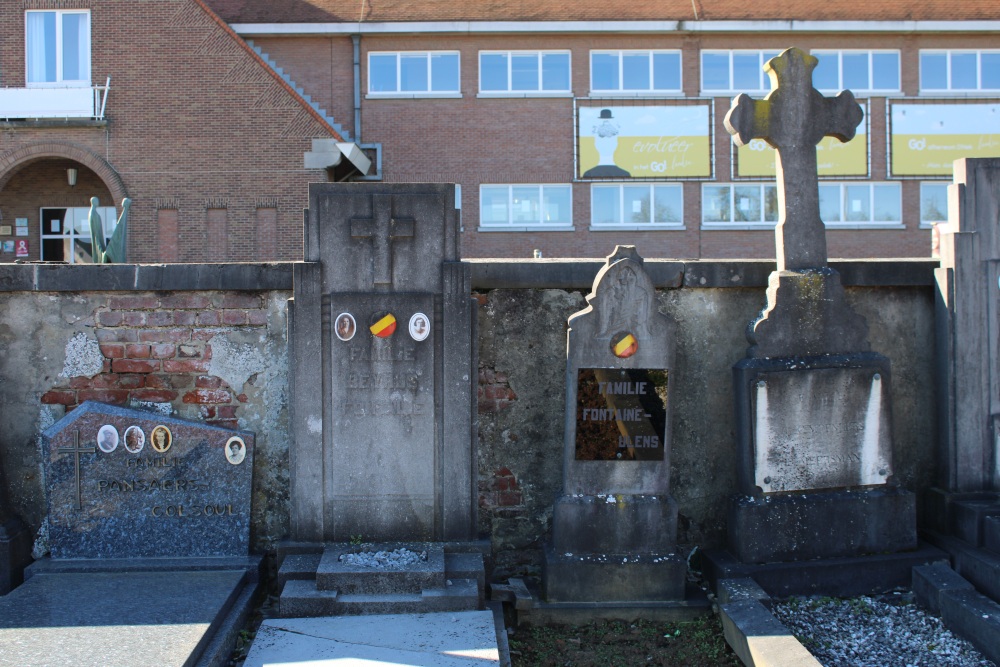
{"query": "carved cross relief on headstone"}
pixel 383 229
pixel 793 118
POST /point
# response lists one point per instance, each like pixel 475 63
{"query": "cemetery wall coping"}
pixel 561 273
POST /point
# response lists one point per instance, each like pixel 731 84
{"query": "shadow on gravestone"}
pixel 149 527
pixel 813 402
pixel 15 543
pixel 614 527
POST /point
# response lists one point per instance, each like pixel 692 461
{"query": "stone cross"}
pixel 793 118
pixel 76 450
pixel 382 229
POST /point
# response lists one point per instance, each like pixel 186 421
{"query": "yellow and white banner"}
pixel 833 157
pixel 928 138
pixel 644 142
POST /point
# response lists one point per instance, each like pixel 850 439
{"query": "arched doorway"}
pixel 45 193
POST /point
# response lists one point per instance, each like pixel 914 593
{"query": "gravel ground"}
pixel 389 560
pixel 883 631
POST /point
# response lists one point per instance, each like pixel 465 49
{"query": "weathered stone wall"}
pixel 213 348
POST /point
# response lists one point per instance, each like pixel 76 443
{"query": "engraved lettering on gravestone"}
pixel 620 414
pixel 793 118
pixel 134 439
pixel 76 450
pixel 346 326
pixel 383 229
pixel 161 438
pixel 107 438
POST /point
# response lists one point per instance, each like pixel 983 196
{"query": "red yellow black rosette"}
pixel 385 327
pixel 624 345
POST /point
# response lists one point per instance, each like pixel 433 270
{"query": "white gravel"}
pixel 883 631
pixel 387 560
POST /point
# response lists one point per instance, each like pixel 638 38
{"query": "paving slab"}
pixel 450 639
pixel 115 619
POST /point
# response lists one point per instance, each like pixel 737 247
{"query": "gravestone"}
pixel 813 401
pixel 15 543
pixel 383 372
pixel 148 527
pixel 130 484
pixel 614 527
pixel 962 513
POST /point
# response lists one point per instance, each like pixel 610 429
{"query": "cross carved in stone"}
pixel 382 229
pixel 793 118
pixel 76 450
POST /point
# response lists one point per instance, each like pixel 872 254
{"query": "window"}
pixel 636 206
pixel 735 71
pixel 57 48
pixel 413 73
pixel 858 71
pixel 512 72
pixel 635 72
pixel 525 206
pixel 751 203
pixel 933 203
pixel 66 233
pixel 959 71
pixel 860 203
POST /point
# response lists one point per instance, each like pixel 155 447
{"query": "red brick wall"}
pixel 192 116
pixel 158 348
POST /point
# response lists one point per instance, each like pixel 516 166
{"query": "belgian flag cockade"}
pixel 624 346
pixel 385 327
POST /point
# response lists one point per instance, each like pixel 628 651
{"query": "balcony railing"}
pixel 70 103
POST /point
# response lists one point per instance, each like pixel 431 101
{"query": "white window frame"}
pixel 621 224
pixel 732 223
pixel 929 224
pixel 520 226
pixel 59 82
pixel 621 90
pixel 398 93
pixel 865 224
pixel 75 228
pixel 540 92
pixel 949 89
pixel 764 79
pixel 840 53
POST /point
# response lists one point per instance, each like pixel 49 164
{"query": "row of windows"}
pixel 659 72
pixel 647 205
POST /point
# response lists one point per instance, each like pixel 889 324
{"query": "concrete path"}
pixel 446 639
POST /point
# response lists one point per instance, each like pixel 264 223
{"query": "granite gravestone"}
pixel 383 368
pixel 131 484
pixel 614 527
pixel 148 530
pixel 812 399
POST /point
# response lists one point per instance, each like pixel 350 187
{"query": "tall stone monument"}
pixel 813 401
pixel 383 368
pixel 966 502
pixel 614 527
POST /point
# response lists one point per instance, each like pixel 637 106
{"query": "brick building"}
pixel 569 127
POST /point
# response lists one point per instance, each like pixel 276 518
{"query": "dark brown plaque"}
pixel 620 414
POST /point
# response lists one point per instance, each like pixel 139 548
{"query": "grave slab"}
pixel 118 619
pixel 452 639
pixel 113 494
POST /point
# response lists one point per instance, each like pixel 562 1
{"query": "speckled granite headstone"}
pixel 178 489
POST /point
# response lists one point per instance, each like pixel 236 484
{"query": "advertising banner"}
pixel 833 157
pixel 644 142
pixel 928 138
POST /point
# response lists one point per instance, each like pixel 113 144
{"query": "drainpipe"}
pixel 356 39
